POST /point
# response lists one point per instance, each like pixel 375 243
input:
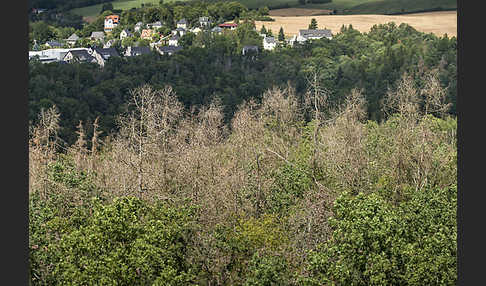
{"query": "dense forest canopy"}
pixel 372 61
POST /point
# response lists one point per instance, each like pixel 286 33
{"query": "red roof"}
pixel 228 25
pixel 115 18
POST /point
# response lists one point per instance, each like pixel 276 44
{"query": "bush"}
pixel 374 243
pixel 127 242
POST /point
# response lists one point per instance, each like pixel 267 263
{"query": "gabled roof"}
pixel 224 25
pixel 250 47
pixel 270 40
pixel 315 33
pixel 174 37
pixel 53 43
pixel 169 49
pixel 97 35
pixel 81 55
pixel 115 18
pixel 216 29
pixel 73 37
pixel 180 29
pixel 106 52
pixel 182 21
pixel 135 51
pixel 129 34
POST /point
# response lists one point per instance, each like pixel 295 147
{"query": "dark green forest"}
pixel 370 61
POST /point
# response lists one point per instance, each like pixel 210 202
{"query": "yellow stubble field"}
pixel 439 23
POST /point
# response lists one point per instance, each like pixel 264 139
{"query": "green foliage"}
pixel 291 182
pixel 241 242
pixel 281 34
pixel 351 59
pixel 374 243
pixel 265 269
pixel 42 32
pixel 128 242
pixel 313 24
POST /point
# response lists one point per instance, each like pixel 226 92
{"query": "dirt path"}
pixel 438 23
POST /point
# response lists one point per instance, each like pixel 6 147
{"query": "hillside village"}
pixel 98 49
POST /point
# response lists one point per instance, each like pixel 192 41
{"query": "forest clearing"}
pixel 439 23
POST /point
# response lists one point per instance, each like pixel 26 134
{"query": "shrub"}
pixel 127 242
pixel 374 243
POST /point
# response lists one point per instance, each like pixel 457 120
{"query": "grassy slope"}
pixel 94 10
pixel 384 6
pixel 351 6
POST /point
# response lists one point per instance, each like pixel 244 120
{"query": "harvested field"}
pixel 438 23
pixel 288 12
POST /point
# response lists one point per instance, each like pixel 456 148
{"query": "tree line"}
pixel 212 66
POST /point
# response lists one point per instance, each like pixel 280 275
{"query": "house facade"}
pixel 182 23
pixel 111 21
pixel 138 27
pixel 249 49
pixel 146 34
pixel 102 55
pixel 269 43
pixel 80 55
pixel 204 22
pixel 174 40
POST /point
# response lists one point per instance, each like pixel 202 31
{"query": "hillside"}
pixel 342 6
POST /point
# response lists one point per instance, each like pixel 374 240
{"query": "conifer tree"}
pixel 313 24
pixel 281 35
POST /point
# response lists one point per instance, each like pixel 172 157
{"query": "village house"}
pixel 230 26
pixel 111 21
pixel 51 55
pixel 269 43
pixel 174 40
pixel 155 25
pixel 102 55
pixel 204 22
pixel 97 35
pixel 180 31
pixel 309 34
pixel 249 49
pixel 72 39
pixel 146 34
pixel 168 50
pixel 138 26
pixel 125 33
pixel 136 51
pixel 79 55
pixel 182 23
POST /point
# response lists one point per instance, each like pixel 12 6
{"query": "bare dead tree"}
pixel 43 145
